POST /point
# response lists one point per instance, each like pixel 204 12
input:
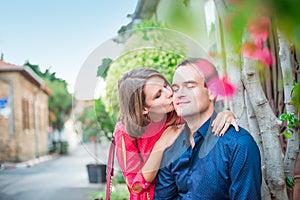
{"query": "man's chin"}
pixel 180 112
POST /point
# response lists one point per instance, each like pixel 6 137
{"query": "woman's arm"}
pixel 152 165
pixel 223 121
pixel 139 177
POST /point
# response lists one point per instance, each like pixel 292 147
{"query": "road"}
pixel 62 178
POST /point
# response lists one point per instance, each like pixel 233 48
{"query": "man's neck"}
pixel 196 121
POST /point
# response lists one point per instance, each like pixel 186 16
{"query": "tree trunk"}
pixel 292 147
pixel 255 132
pixel 233 68
pixel 237 104
pixel 269 128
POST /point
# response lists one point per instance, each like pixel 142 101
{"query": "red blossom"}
pixel 259 28
pixel 221 86
pixel 252 51
pixel 249 50
pixel 265 56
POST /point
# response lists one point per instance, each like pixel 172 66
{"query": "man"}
pixel 208 167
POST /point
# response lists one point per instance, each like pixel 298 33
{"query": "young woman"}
pixel 147 126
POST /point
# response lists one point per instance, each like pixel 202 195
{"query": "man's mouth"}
pixel 181 103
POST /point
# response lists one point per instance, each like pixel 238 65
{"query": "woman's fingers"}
pixel 222 123
pixel 236 126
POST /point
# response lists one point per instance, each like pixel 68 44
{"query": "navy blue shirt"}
pixel 227 167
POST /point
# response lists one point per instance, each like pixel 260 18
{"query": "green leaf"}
pixel 290 181
pixel 296 122
pixel 102 69
pixel 186 2
pixel 283 117
pixel 287 134
pixel 295 94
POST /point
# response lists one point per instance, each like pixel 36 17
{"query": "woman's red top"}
pixel 135 155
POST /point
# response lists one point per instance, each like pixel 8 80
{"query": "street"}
pixel 64 177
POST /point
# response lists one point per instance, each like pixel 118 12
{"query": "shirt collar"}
pixel 202 130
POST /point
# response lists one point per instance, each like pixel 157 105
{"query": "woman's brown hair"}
pixel 132 100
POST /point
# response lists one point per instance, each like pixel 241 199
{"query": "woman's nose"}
pixel 169 92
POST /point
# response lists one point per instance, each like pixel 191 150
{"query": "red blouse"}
pixel 136 153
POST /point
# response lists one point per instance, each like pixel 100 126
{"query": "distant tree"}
pixel 104 119
pixel 60 101
pixel 89 124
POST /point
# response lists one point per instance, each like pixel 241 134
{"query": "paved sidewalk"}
pixel 101 156
pixel 60 177
pixel 29 163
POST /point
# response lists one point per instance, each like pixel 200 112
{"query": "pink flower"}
pixel 249 50
pixel 252 51
pixel 221 87
pixel 265 56
pixel 259 28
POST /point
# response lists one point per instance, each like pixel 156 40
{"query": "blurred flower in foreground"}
pixel 221 86
pixel 259 31
pixel 254 52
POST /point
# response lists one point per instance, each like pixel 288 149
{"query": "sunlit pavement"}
pixel 59 177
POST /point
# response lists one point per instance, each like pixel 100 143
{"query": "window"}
pixel 25 113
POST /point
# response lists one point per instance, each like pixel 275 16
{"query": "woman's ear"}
pixel 145 111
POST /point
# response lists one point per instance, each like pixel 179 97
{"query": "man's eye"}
pixel 175 89
pixel 190 85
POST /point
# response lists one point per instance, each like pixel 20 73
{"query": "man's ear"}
pixel 212 95
pixel 145 111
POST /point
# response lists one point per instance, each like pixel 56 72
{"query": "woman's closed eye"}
pixel 158 94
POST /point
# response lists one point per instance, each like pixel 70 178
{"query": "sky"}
pixel 59 34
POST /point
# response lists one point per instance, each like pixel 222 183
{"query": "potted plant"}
pixel 96 125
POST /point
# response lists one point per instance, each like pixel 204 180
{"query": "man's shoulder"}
pixel 233 135
pixel 180 145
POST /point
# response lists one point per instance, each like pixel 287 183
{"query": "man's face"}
pixel 191 97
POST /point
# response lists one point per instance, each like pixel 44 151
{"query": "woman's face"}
pixel 159 97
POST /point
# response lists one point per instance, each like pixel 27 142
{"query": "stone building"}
pixel 23 114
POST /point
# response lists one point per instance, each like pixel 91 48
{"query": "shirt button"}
pixel 146 184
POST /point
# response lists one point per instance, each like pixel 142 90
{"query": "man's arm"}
pixel 165 187
pixel 245 169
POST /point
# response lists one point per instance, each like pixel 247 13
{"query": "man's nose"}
pixel 179 92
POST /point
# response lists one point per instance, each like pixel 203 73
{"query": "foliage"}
pixel 119 189
pixel 89 124
pixel 292 122
pixel 286 19
pixel 162 56
pixel 118 193
pixel 162 61
pixel 296 96
pixel 290 181
pixel 102 69
pixel 60 101
pixel 94 121
pixel 104 119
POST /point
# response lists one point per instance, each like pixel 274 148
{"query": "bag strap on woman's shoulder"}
pixel 110 168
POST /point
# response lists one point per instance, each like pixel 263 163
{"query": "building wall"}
pixel 27 142
pixel 6 142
